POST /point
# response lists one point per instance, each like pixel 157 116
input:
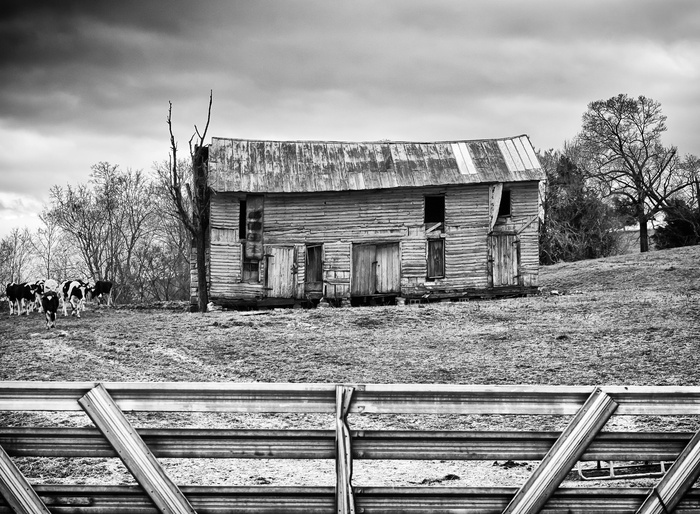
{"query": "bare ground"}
pixel 632 320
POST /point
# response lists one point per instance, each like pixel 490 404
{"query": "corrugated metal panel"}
pixel 507 156
pixel 306 166
pixel 515 156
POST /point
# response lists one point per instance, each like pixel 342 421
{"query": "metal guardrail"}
pixel 580 441
pixel 319 444
pixel 367 398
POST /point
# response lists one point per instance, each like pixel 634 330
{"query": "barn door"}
pixel 504 257
pixel 281 271
pixel 388 280
pixel 375 269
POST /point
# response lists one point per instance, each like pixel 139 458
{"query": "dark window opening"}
pixel 504 207
pixel 251 270
pixel 436 258
pixel 314 267
pixel 242 220
pixel 435 210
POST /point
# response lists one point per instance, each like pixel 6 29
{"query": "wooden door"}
pixel 504 254
pixel 375 269
pixel 281 271
pixel 363 274
pixel 387 270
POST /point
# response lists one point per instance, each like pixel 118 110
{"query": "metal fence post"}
pixel 563 455
pixel 345 501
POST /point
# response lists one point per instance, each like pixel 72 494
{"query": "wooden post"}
pixel 677 481
pixel 135 454
pixel 16 490
pixel 563 455
pixel 345 501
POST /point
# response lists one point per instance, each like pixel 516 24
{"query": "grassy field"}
pixel 628 320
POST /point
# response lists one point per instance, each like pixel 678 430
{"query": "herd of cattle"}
pixel 47 295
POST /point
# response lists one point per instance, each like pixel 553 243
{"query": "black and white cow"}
pixel 12 291
pixel 73 292
pixel 99 289
pixel 49 303
pixel 21 296
pixel 38 292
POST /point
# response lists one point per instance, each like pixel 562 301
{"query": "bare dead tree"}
pixel 191 201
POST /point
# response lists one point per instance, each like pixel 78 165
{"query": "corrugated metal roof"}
pixel 303 166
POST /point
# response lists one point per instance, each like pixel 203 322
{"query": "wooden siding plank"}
pixel 134 453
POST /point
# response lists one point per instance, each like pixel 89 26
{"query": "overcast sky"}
pixel 84 82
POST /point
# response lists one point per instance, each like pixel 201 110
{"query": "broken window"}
pixel 434 217
pixel 504 206
pixel 436 258
pixel 251 270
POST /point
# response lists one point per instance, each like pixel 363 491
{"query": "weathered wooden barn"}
pixel 301 221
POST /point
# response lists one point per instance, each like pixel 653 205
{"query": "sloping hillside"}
pixel 672 271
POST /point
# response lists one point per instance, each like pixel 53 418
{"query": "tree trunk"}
pixel 202 292
pixel 643 235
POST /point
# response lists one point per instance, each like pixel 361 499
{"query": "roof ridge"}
pixel 380 141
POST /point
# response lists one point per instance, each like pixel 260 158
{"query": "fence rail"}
pixel 319 444
pixel 590 407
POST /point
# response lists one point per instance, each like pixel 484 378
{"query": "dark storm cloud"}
pixel 101 59
pixel 85 82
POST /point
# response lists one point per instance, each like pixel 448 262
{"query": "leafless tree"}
pixel 47 245
pixel 621 137
pixel 107 220
pixel 16 255
pixel 190 200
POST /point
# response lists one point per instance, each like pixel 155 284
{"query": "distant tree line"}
pixel 116 227
pixel 617 173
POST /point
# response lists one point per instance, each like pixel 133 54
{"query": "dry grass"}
pixel 633 320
